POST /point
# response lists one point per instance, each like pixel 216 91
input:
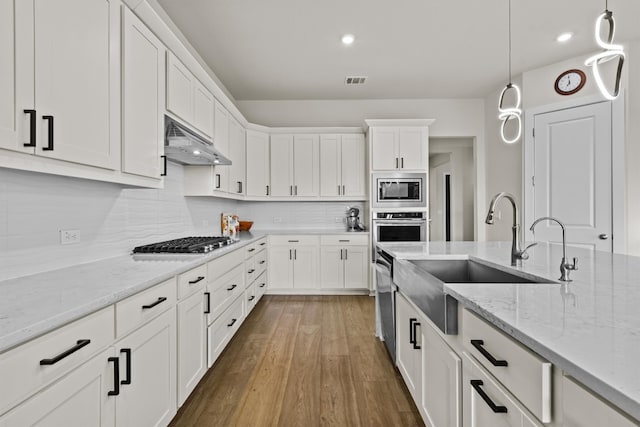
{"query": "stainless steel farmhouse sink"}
pixel 423 282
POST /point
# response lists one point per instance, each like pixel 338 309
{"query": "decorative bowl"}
pixel 245 225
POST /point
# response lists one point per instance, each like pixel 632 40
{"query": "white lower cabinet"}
pixel 409 345
pixel 441 397
pixel 344 262
pixel 293 262
pixel 487 403
pixel 81 398
pixel 148 373
pixel 581 408
pixel 192 343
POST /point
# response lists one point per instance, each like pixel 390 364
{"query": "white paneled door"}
pixel 572 180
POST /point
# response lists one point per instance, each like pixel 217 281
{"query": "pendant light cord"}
pixel 509 41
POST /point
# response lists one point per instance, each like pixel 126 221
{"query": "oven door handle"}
pixel 399 222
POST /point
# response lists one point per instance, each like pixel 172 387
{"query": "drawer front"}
pixel 217 267
pixel 144 306
pixel 250 250
pixel 293 240
pixel 223 329
pixel 260 262
pixel 262 244
pixel 65 348
pixel 261 285
pixel 223 291
pixel 524 373
pixel 487 403
pixel 250 270
pixel 345 240
pixel 191 281
pixel 250 298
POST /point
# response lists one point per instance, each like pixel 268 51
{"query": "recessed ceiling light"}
pixel 348 39
pixel 564 37
pixel 196 152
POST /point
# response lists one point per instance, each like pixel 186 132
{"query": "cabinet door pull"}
pixel 290 254
pixel 32 128
pixel 208 309
pixel 476 384
pixel 252 298
pixel 233 321
pixel 49 146
pixel 415 335
pixel 267 190
pixel 295 254
pixel 478 344
pixel 296 188
pixel 232 287
pixel 346 254
pixel 199 279
pixel 396 163
pixel 338 190
pixel 164 163
pixel 412 339
pixel 341 254
pixel 343 192
pixel 127 368
pixel 217 180
pixel 59 357
pixel 239 186
pixel 291 190
pixel 116 376
pixel 153 304
pixel 401 162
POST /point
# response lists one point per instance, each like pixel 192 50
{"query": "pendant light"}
pixel 510 113
pixel 610 51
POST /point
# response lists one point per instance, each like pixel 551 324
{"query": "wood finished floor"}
pixel 303 361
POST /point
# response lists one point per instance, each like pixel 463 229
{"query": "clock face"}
pixel 570 82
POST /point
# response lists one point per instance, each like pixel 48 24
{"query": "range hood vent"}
pixel 183 146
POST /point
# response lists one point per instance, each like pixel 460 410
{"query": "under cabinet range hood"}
pixel 183 146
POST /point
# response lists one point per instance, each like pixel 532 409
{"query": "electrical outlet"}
pixel 69 237
pixel 277 219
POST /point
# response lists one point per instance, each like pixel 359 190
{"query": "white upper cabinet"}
pixel 257 166
pixel 237 182
pixel 68 75
pixel 143 80
pixel 221 141
pixel 295 165
pixel 342 166
pixel 399 147
pixel 188 99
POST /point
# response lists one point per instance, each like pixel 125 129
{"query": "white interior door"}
pixel 572 175
pixel 437 201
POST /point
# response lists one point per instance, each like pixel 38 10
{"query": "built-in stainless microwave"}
pixel 399 190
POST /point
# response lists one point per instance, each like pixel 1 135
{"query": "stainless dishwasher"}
pixel 386 299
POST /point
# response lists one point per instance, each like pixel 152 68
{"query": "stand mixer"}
pixel 353 220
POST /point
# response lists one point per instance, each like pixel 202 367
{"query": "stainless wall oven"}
pixel 398 227
pixel 399 190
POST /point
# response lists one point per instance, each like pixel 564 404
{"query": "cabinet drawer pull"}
pixel 262 262
pixel 251 271
pixel 262 285
pixel 263 243
pixel 293 241
pixel 164 162
pixel 344 240
pixel 232 287
pixel 49 146
pixel 32 128
pixel 56 359
pixel 478 344
pixel 127 351
pixel 252 298
pixel 116 376
pixel 208 309
pixel 233 321
pixel 199 279
pixel 476 384
pixel 153 304
pixel 251 250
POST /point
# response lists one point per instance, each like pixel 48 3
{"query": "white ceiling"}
pixel 291 49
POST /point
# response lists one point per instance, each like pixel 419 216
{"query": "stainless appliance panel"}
pixel 399 229
pixel 386 299
pixel 399 190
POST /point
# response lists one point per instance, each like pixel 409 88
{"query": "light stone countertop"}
pixel 589 328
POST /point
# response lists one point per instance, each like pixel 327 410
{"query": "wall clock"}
pixel 570 82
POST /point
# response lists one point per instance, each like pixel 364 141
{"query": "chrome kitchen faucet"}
pixel 517 254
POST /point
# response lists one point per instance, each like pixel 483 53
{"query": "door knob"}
pixel 603 236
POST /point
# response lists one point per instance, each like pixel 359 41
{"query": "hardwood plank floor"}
pixel 303 361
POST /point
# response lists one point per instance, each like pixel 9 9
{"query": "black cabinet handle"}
pixel 164 163
pixel 232 287
pixel 415 335
pixel 208 309
pixel 262 262
pixel 199 279
pixel 56 359
pixel 263 243
pixel 396 163
pixel 217 180
pixel 233 321
pixel 346 254
pixel 127 351
pixel 251 271
pixel 116 376
pixel 412 339
pixel 49 146
pixel 262 285
pixel 158 301
pixel 32 128
pixel 402 163
pixel 478 344
pixel 252 298
pixel 476 384
pixel 251 250
pixel 295 254
pixel 239 186
pixel 267 190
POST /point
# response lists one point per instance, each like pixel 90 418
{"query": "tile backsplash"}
pixel 112 219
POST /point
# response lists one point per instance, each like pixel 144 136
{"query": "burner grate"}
pixel 185 245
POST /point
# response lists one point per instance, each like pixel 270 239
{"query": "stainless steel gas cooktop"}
pixel 185 245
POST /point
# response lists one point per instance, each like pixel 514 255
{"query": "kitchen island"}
pixel 588 328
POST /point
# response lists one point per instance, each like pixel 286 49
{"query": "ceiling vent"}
pixel 355 80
